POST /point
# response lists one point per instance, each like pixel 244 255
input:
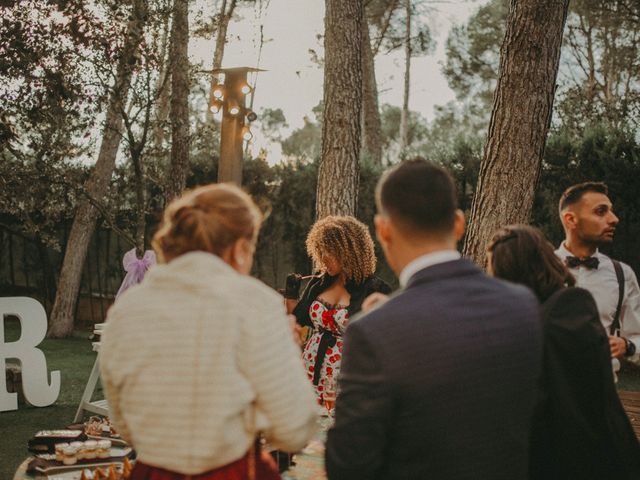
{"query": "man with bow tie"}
pixel 589 222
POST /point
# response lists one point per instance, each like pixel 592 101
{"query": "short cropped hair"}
pixel 419 196
pixel 522 254
pixel 348 240
pixel 574 193
pixel 209 219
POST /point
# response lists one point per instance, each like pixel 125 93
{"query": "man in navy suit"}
pixel 439 382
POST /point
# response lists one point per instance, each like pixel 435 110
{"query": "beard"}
pixel 596 240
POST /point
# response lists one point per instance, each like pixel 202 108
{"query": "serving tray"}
pixel 47 464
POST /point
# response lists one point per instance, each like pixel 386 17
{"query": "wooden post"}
pixel 230 162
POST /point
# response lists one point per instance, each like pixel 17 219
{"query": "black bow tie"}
pixel 590 262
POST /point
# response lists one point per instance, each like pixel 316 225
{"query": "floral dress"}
pixel 323 351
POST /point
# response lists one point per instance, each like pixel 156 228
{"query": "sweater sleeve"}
pixel 270 360
pixel 110 353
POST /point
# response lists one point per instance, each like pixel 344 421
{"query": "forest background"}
pixel 71 71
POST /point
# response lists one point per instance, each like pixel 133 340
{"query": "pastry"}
pixel 70 455
pixel 90 449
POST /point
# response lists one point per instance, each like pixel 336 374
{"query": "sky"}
pixel 293 82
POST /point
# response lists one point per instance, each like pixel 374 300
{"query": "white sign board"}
pixel 33 328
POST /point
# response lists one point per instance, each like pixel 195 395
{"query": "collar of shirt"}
pixel 563 253
pixel 425 261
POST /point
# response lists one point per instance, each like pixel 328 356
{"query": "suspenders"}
pixel 615 325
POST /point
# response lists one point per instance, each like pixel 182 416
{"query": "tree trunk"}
pixel 339 172
pixel 371 124
pixel 179 99
pixel 48 275
pixel 224 17
pixel 61 323
pixel 163 86
pixel 404 115
pixel 520 120
pixel 141 205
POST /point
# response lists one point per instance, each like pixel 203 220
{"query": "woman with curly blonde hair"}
pixel 343 254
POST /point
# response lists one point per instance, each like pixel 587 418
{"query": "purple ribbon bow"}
pixel 135 268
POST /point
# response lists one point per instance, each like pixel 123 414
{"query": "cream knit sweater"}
pixel 185 353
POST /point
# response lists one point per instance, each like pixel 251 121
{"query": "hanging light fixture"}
pixel 251 116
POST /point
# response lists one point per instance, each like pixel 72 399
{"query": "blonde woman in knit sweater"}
pixel 192 359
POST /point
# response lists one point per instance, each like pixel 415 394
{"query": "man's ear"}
pixel 459 225
pixel 383 231
pixel 569 219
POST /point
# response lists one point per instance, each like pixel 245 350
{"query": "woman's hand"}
pixel 374 300
pixel 290 304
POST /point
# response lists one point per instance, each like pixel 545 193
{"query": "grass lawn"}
pixel 74 358
pixel 629 378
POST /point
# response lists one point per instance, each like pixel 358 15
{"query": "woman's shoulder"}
pixel 573 296
pixel 570 307
pixel 256 291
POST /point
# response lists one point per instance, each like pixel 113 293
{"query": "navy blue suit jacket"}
pixel 439 382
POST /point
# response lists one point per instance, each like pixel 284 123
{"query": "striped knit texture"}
pixel 186 353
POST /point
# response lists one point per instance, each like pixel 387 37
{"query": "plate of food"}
pixel 82 455
pixel 98 428
pixel 109 472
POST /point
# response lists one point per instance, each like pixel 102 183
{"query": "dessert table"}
pixel 309 466
pixel 22 474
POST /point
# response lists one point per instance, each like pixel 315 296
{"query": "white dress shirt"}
pixel 425 261
pixel 602 283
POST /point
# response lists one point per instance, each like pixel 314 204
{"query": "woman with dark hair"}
pixel 343 253
pixel 579 429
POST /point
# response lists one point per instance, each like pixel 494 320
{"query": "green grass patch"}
pixel 74 358
pixel 629 378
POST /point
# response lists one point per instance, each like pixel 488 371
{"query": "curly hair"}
pixel 209 218
pixel 346 239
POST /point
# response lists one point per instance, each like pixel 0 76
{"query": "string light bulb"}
pixel 234 108
pixel 218 92
pixel 245 89
pixel 246 133
pixel 216 106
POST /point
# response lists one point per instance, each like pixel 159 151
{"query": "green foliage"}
pixel 601 64
pixel 473 54
pixel 304 142
pixel 390 119
pixel 599 73
pixel 35 198
pixel 387 20
pixel 272 121
pixel 293 211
